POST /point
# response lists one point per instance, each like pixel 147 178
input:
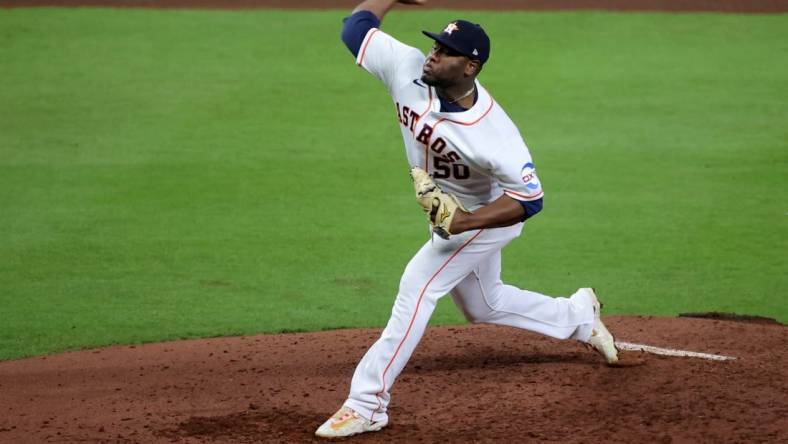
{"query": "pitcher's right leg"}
pixel 434 271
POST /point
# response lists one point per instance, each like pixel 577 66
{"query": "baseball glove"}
pixel 439 206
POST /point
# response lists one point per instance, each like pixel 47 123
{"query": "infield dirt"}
pixel 464 384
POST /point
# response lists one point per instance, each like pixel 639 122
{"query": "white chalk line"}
pixel 670 351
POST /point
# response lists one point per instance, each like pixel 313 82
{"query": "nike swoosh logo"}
pixel 416 81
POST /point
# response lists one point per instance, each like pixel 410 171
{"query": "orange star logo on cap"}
pixel 451 27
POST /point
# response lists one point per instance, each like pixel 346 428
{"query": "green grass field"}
pixel 174 174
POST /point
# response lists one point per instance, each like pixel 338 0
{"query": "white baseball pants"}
pixel 469 266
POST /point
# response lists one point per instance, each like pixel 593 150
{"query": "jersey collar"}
pixel 480 109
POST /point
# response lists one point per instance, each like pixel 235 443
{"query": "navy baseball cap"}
pixel 466 38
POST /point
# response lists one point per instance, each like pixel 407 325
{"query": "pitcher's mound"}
pixel 464 384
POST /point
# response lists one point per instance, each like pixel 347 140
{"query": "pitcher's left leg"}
pixel 483 297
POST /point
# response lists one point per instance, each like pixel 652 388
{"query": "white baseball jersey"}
pixel 477 155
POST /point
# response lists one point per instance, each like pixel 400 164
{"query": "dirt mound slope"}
pixel 758 6
pixel 469 384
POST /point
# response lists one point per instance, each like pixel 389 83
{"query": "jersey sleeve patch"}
pixel 528 173
pixel 520 183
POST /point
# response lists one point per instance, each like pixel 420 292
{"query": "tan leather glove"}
pixel 439 206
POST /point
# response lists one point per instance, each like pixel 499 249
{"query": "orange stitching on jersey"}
pixel 524 195
pixel 492 102
pixel 426 147
pixel 364 50
pixel 426 150
pixel 413 318
pixel 429 105
pixel 443 119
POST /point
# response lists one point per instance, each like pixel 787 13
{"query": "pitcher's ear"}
pixel 473 68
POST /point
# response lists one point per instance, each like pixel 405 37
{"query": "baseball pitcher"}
pixel 476 182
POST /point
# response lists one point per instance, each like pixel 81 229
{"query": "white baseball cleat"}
pixel 601 339
pixel 347 422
